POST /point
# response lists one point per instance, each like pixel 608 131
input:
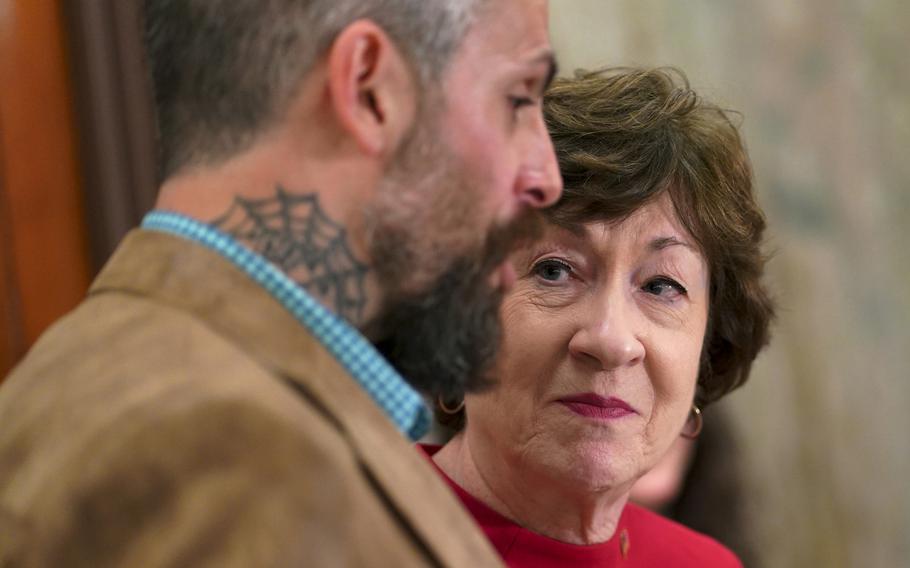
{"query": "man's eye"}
pixel 519 102
pixel 665 287
pixel 552 270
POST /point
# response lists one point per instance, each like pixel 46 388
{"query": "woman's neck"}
pixel 547 506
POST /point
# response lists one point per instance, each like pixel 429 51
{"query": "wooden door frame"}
pixel 12 338
pixel 46 265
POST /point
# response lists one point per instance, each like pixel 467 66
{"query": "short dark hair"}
pixel 625 136
pixel 223 70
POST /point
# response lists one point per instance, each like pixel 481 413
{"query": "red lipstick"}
pixel 592 405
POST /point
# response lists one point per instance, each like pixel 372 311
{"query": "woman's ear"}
pixel 372 89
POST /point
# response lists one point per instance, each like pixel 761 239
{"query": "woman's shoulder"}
pixel 660 541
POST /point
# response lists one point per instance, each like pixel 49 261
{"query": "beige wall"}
pixel 824 87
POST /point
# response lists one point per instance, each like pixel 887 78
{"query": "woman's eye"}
pixel 552 270
pixel 665 287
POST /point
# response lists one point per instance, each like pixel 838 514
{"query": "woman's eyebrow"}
pixel 662 243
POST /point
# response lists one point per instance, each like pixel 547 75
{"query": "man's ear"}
pixel 371 88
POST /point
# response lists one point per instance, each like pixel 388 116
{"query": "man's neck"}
pixel 293 232
pixel 310 233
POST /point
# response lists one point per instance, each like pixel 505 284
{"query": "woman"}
pixel 640 304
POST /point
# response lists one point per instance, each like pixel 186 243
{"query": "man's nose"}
pixel 539 182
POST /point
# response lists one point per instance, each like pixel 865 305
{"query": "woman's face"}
pixel 602 338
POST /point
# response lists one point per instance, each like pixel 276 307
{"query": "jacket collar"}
pixel 388 389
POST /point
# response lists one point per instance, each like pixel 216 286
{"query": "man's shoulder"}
pixel 123 357
pixel 227 479
pixel 663 541
pixel 120 349
pixel 134 425
pixel 127 375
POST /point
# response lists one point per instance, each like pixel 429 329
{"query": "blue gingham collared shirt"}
pixel 401 403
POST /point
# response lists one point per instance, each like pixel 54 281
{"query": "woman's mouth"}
pixel 594 406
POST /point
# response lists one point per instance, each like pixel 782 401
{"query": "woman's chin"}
pixel 593 464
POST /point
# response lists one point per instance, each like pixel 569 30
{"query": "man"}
pixel 337 174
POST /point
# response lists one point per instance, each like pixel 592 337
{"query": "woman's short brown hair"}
pixel 625 136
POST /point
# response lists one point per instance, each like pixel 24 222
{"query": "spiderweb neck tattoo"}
pixel 294 233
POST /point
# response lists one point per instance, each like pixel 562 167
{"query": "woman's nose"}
pixel 608 337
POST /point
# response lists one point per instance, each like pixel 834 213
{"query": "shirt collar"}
pixel 400 402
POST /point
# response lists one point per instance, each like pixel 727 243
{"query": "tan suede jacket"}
pixel 180 416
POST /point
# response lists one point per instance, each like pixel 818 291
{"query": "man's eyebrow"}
pixel 551 72
pixel 549 59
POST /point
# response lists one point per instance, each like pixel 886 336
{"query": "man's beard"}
pixel 439 325
pixel 444 340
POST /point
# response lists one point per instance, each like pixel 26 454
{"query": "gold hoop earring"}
pixel 442 406
pixel 699 424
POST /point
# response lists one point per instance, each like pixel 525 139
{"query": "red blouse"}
pixel 642 539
